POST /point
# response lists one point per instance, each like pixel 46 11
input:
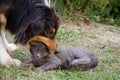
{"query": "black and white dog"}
pixel 30 21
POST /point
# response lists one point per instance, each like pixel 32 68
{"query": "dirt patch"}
pixel 105 33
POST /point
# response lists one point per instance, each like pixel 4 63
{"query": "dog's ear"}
pixel 53 11
pixel 31 29
pixel 25 33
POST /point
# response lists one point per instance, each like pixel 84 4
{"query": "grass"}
pixel 107 52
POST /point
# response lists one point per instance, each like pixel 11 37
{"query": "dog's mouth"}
pixel 49 43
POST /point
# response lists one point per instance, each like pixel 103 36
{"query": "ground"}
pixel 103 40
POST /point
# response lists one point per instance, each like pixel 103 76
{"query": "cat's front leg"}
pixel 53 63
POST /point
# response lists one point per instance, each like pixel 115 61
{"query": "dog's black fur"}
pixel 28 18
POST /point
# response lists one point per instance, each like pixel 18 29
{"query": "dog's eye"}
pixel 49 34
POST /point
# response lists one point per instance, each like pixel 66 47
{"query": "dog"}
pixel 64 58
pixel 29 21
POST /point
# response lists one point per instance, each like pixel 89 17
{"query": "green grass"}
pixel 108 54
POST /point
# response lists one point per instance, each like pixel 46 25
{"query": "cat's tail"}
pixel 93 63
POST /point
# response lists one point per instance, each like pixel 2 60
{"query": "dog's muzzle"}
pixel 51 44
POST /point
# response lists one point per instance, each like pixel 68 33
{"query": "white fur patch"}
pixel 47 3
pixel 12 47
pixel 8 46
pixel 4 56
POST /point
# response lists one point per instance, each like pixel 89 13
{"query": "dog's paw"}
pixel 16 63
pixel 12 47
pixel 11 62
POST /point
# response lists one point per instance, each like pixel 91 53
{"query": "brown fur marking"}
pixel 50 43
pixel 2 20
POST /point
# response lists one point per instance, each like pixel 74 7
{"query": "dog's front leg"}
pixel 5 58
pixel 9 46
pixel 53 63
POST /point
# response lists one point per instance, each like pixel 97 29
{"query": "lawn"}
pixel 103 40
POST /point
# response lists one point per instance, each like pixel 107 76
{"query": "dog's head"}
pixel 41 21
